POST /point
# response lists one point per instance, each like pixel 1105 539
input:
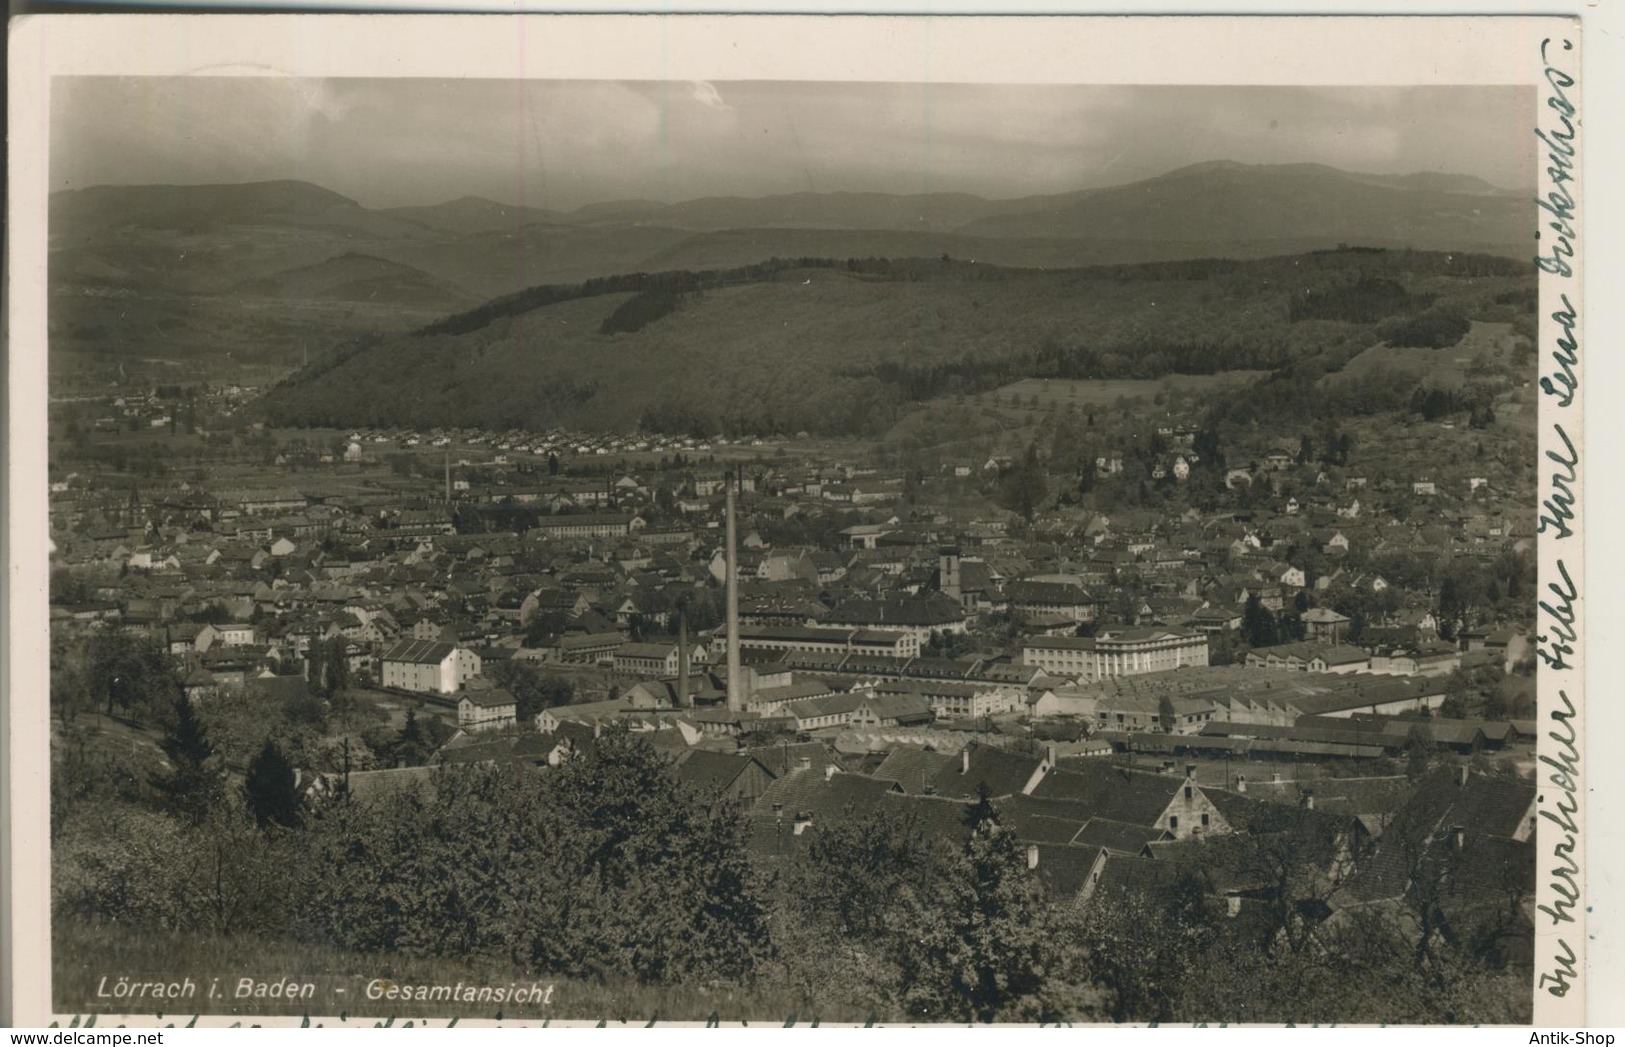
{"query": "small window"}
pixel 1204 821
pixel 1173 821
pixel 1188 795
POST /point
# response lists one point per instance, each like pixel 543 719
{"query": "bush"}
pixel 603 867
pixel 145 870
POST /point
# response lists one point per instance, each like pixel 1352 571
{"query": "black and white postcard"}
pixel 885 520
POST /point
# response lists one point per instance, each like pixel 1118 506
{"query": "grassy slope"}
pixel 1445 368
pixel 354 277
pixel 200 330
pixel 111 741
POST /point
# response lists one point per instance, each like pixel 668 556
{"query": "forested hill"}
pixel 844 346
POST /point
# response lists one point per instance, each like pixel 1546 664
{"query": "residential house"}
pixel 1164 801
pixel 234 634
pixel 737 778
pixel 486 708
pixel 1324 624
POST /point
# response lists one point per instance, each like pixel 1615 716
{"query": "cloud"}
pixel 706 94
pixel 563 143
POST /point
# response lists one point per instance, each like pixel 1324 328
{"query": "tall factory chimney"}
pixel 736 682
pixel 682 659
pixel 448 477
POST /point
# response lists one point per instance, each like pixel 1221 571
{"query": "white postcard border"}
pixel 1127 51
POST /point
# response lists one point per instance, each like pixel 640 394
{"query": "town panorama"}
pixel 1109 606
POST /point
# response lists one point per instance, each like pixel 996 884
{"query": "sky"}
pixel 565 144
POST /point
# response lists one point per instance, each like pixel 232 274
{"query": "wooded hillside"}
pixel 846 346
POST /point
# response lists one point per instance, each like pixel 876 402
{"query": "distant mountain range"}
pixel 339 268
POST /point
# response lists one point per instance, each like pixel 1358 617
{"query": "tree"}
pixel 193 783
pixel 1257 623
pixel 68 688
pixel 545 628
pixel 1299 857
pixel 68 588
pixel 129 673
pixel 1143 944
pixel 856 871
pixel 270 791
pixel 1025 486
pixel 1289 625
pixel 327 666
pixel 532 689
pixel 1418 749
pixel 980 950
pixel 604 867
pixel 1451 607
pixel 413 747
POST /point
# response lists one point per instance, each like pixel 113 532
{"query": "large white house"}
pixel 428 666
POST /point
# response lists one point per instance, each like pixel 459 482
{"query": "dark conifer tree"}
pixel 193 783
pixel 271 791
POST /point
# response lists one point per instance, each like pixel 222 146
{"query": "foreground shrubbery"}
pixel 608 872
pixel 603 868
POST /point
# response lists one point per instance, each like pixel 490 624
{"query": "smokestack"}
pixel 682 659
pixel 736 684
pixel 964 760
pixel 448 477
pixel 1032 856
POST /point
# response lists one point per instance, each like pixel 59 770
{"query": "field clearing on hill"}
pixel 1447 367
pixel 1103 391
